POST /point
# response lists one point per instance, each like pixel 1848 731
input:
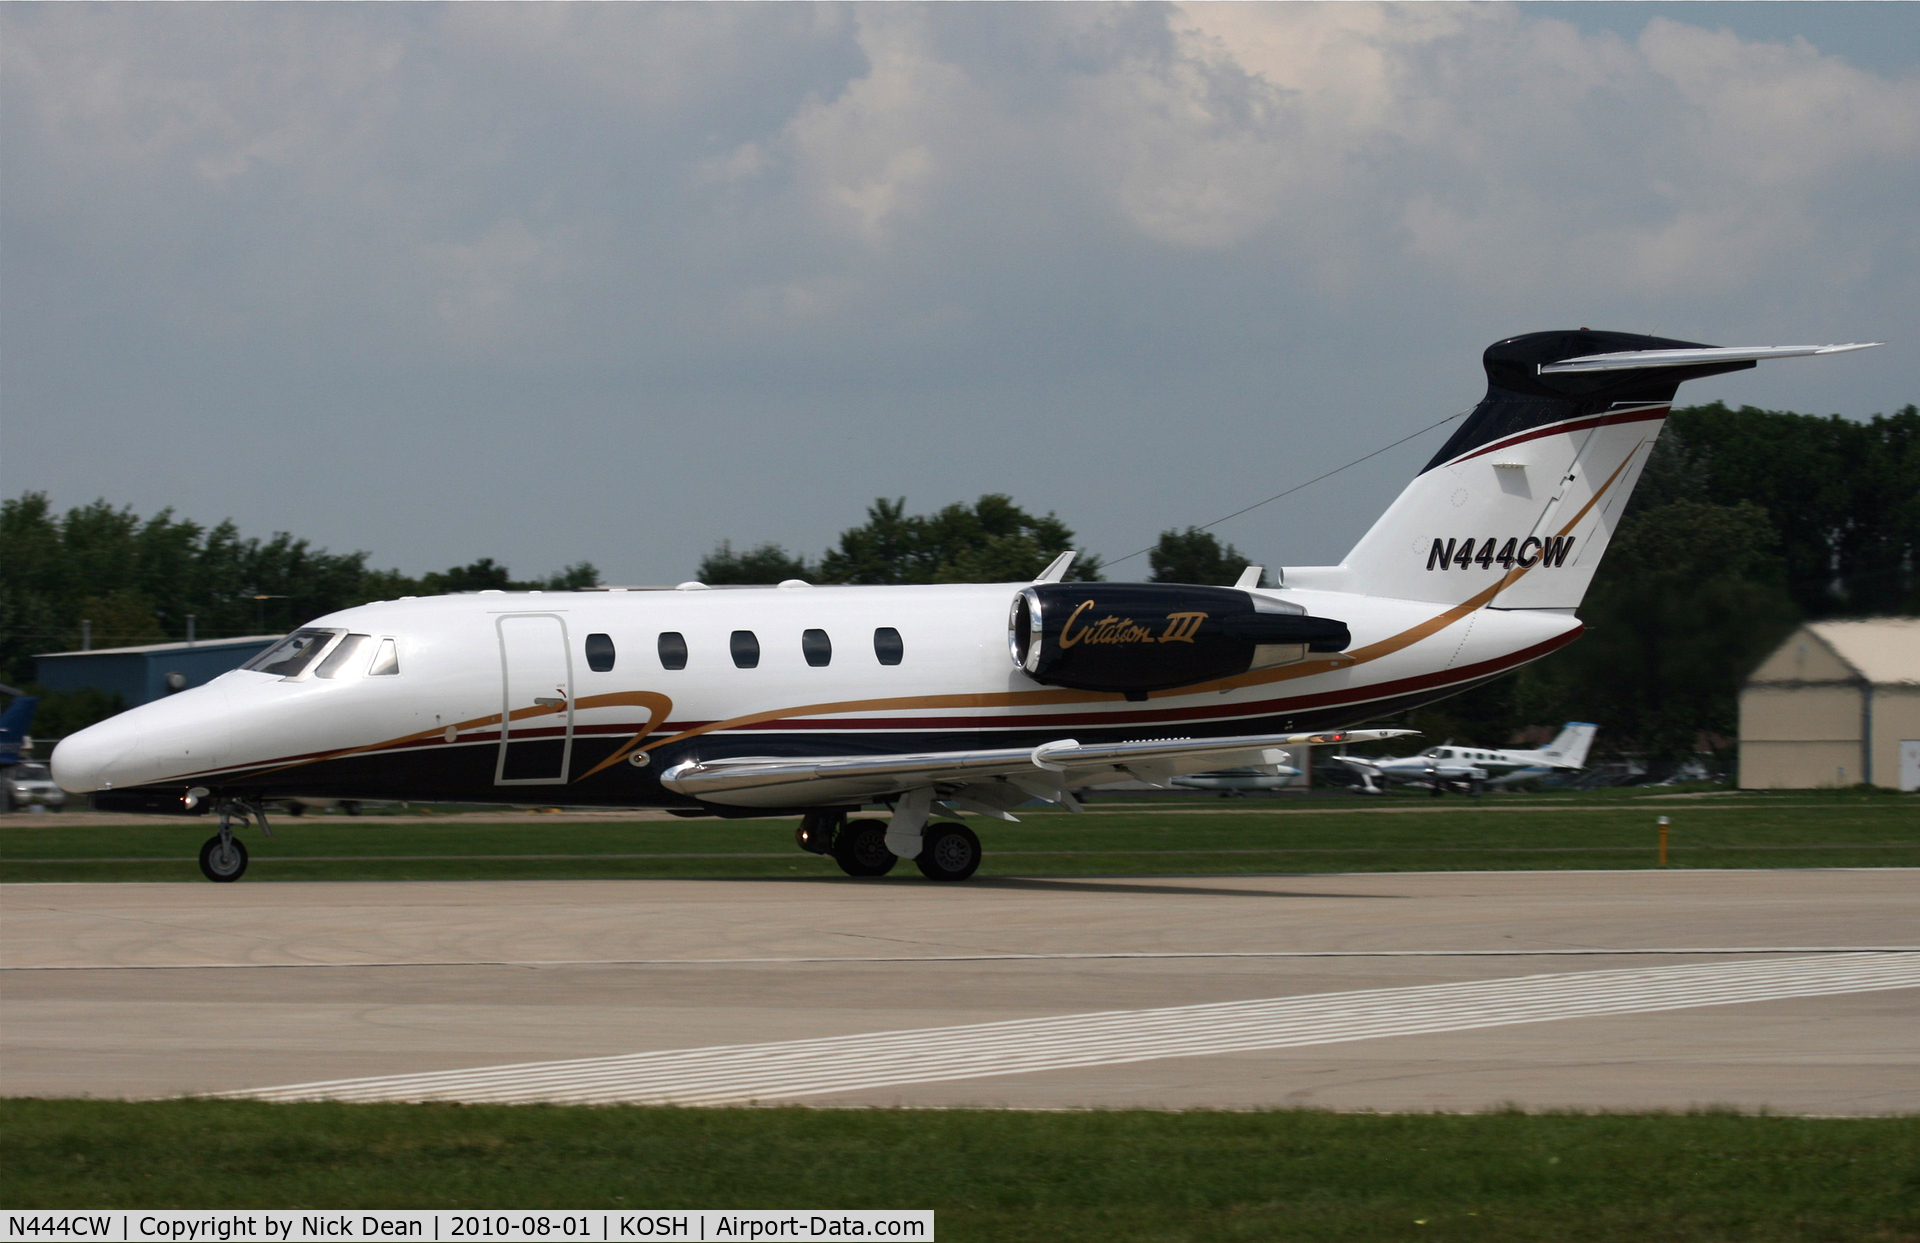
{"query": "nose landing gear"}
pixel 224 857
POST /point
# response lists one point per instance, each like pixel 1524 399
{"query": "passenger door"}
pixel 536 703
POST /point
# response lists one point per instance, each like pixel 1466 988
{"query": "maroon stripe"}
pixel 1575 425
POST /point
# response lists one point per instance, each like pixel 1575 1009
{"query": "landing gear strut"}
pixel 224 857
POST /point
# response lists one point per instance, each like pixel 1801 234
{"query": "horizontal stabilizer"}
pixel 1633 360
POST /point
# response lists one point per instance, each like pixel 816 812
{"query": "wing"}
pixel 989 781
pixel 1363 764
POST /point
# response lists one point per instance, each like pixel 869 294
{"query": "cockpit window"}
pixel 386 661
pixel 341 656
pixel 290 657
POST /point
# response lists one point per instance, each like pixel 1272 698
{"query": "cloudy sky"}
pixel 617 282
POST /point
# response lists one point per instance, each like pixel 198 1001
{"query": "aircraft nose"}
pixel 91 759
pixel 168 739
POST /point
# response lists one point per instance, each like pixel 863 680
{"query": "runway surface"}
pixel 1797 991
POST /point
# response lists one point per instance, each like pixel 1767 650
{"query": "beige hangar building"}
pixel 1838 703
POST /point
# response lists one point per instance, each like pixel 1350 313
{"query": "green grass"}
pixel 1215 837
pixel 1004 1175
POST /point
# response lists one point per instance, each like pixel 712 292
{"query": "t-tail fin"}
pixel 1570 746
pixel 1516 509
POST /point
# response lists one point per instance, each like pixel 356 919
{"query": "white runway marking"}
pixel 791 1069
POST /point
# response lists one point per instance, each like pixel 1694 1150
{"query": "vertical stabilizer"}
pixel 1569 748
pixel 1520 503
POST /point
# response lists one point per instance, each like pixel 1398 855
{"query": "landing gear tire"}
pixel 948 852
pixel 860 848
pixel 223 858
pixel 1437 790
pixel 350 807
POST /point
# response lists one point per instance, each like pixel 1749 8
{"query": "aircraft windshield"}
pixel 290 657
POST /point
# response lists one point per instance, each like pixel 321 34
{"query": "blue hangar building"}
pixel 153 671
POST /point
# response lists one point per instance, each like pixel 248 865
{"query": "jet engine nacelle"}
pixel 1138 637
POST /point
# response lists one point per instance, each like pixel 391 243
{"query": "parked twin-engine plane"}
pixel 1470 768
pixel 823 701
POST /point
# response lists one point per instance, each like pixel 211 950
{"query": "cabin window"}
pixel 673 650
pixel 817 648
pixel 386 661
pixel 339 657
pixel 600 653
pixel 290 657
pixel 745 648
pixel 887 645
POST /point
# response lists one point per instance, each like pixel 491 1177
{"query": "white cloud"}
pixel 1204 208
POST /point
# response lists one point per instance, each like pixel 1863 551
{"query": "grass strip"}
pixel 1128 842
pixel 1109 1175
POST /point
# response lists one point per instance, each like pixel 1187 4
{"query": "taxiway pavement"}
pixel 1388 991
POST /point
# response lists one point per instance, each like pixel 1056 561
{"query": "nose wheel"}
pixel 224 857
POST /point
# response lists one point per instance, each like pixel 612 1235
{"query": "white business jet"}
pixel 1470 768
pixel 822 701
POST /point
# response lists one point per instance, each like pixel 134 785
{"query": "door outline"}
pixel 500 777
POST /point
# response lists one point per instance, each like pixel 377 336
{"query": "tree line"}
pixel 1745 523
pixel 117 579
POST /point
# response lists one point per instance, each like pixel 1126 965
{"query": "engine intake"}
pixel 1133 638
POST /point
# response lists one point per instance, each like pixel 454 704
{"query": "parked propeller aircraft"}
pixel 1470 768
pixel 822 701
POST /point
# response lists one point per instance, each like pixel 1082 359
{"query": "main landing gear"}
pixel 946 851
pixel 224 857
pixel 860 848
pixel 1471 787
